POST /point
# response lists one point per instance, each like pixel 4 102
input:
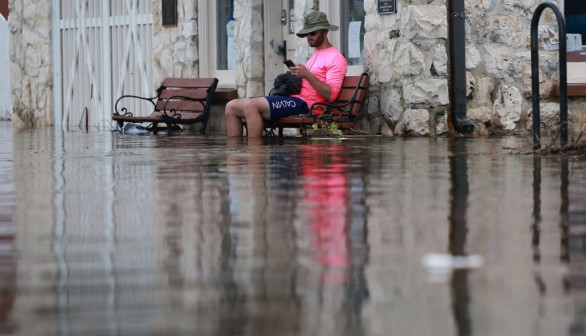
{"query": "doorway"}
pixel 280 38
pixel 281 41
pixel 349 15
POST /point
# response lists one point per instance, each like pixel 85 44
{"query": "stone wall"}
pixel 175 49
pixel 407 56
pixel 31 72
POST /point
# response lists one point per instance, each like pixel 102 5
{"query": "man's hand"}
pixel 322 88
pixel 300 71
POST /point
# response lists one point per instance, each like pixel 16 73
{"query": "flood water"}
pixel 110 234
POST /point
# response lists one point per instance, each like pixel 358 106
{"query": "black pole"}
pixel 535 74
pixel 457 41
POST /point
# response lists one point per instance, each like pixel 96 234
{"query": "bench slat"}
pixel 188 82
pixel 351 81
pixel 186 117
pixel 181 105
pixel 153 117
pixel 344 96
pixel 200 94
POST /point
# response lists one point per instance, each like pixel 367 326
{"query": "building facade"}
pixel 72 58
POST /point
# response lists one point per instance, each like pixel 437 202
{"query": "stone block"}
pixel 217 120
pixel 425 21
pixel 507 108
pixel 428 91
pixel 415 122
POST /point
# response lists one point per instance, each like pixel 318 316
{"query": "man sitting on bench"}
pixel 321 81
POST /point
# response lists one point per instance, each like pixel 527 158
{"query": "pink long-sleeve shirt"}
pixel 329 66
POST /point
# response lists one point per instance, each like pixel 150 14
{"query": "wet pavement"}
pixel 109 234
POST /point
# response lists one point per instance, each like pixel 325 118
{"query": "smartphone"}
pixel 289 63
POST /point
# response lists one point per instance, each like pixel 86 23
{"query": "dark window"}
pixel 225 34
pixel 575 13
pixel 352 30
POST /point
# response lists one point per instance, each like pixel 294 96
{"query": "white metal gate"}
pixel 101 49
pixel 5 99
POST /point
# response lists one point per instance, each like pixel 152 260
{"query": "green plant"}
pixel 329 129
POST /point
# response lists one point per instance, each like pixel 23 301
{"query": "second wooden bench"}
pixel 183 101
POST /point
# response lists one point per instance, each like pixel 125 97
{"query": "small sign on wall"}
pixel 169 12
pixel 387 6
pixel 291 16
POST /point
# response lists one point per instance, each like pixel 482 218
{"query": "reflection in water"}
pixel 8 263
pixel 304 247
pixel 535 227
pixel 573 239
pixel 259 275
pixel 458 231
pixel 332 213
pixel 572 226
pixel 191 234
pixel 564 222
pixel 326 197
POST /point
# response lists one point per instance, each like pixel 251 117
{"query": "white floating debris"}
pixel 448 261
pixel 134 129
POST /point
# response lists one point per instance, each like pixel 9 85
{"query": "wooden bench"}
pixel 178 101
pixel 342 111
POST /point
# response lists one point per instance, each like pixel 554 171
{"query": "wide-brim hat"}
pixel 313 21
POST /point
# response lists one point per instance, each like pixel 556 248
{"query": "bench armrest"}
pixel 343 108
pixel 125 111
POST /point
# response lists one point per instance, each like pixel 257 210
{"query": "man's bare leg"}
pixel 234 118
pixel 255 110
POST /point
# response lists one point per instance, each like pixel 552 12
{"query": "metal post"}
pixel 535 74
pixel 457 41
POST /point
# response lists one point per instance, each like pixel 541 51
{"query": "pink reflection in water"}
pixel 326 193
